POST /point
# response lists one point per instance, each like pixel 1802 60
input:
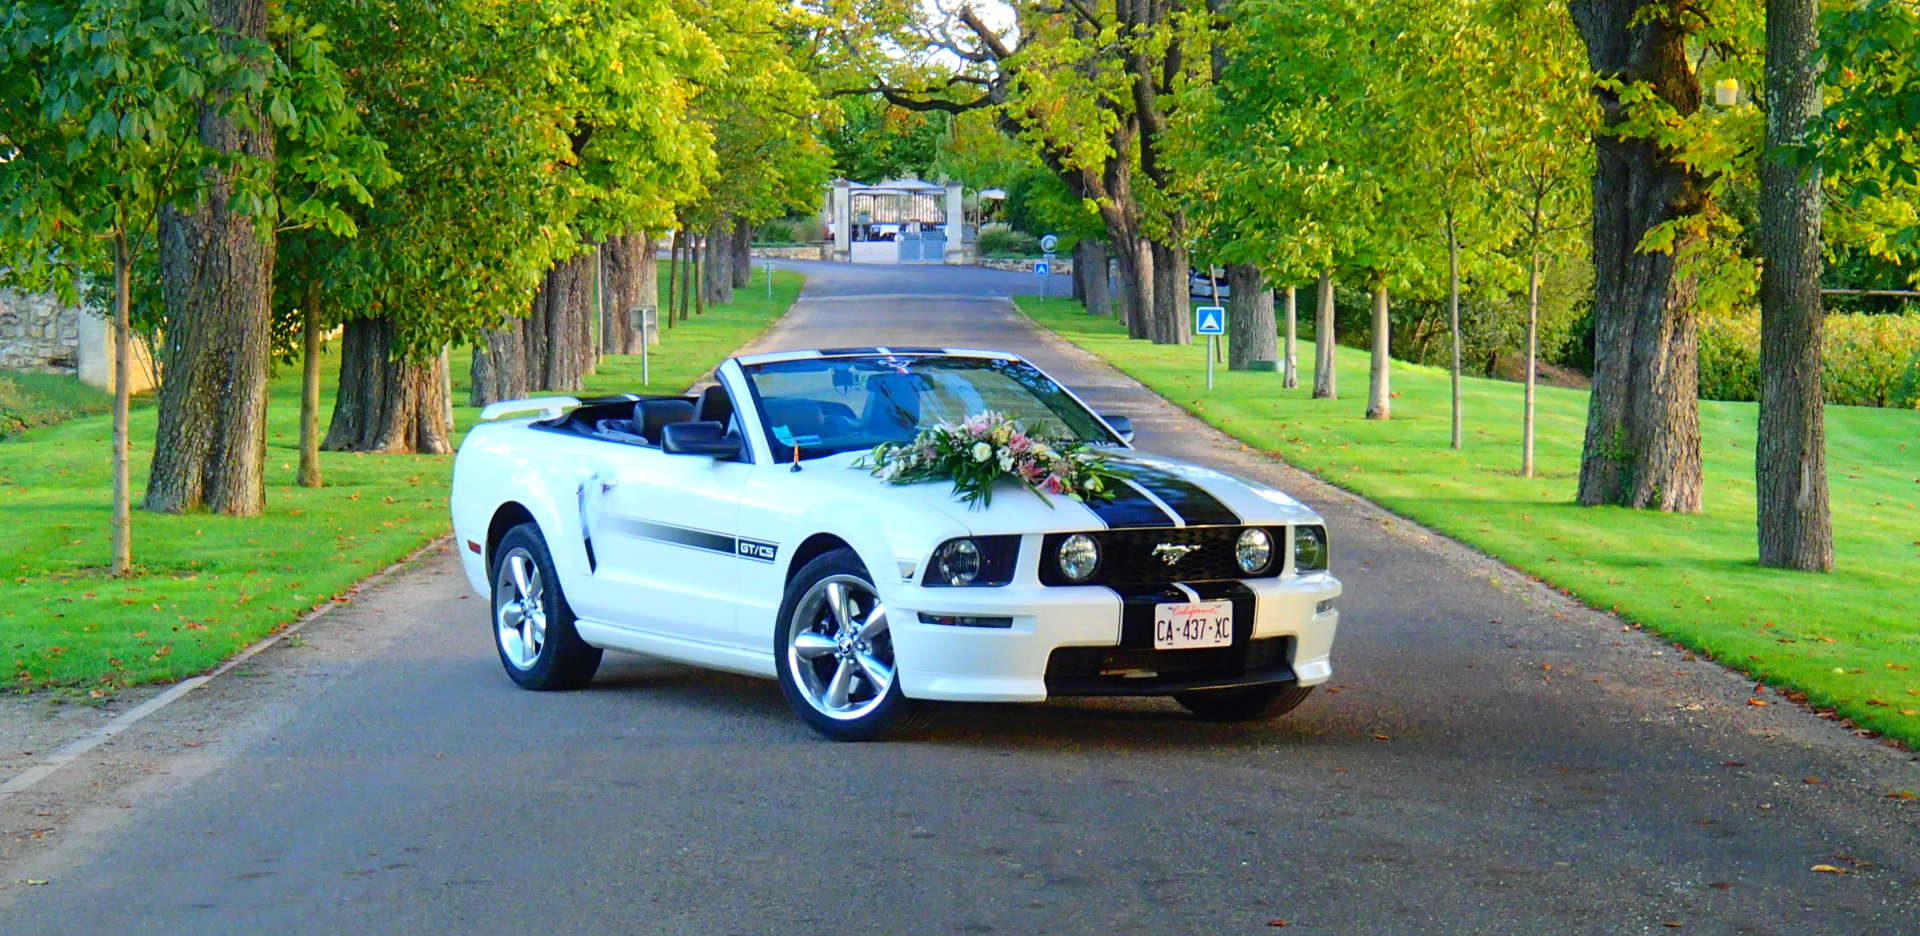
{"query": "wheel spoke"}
pixel 538 621
pixel 511 613
pixel 876 622
pixel 517 564
pixel 878 674
pixel 837 690
pixel 837 603
pixel 810 645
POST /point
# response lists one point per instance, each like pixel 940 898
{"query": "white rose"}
pixel 1006 460
pixel 982 451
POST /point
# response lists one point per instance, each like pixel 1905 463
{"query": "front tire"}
pixel 1253 703
pixel 532 622
pixel 834 653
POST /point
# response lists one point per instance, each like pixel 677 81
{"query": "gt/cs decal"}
pixel 756 550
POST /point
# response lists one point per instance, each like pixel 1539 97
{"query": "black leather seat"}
pixel 651 416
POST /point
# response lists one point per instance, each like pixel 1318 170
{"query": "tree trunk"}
pixel 718 257
pixel 1453 324
pixel 670 313
pixel 1642 445
pixel 122 404
pixel 1533 356
pixel 1171 308
pixel 633 279
pixel 217 276
pixel 1290 366
pixel 1098 296
pixel 742 261
pixel 1324 384
pixel 1790 466
pixel 1080 272
pixel 1252 334
pixel 549 349
pixel 310 386
pixel 385 404
pixel 701 254
pixel 1379 375
pixel 1140 288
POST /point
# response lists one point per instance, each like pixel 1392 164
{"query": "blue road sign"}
pixel 1210 320
pixel 1043 268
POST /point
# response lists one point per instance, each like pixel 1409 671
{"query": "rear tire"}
pixel 532 622
pixel 1253 703
pixel 833 653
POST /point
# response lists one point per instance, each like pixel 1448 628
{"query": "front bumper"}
pixel 1096 640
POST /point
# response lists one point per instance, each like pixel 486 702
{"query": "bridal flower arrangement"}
pixel 985 448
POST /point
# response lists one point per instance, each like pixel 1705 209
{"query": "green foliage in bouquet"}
pixel 985 448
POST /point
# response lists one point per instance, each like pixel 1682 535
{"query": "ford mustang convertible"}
pixel 747 528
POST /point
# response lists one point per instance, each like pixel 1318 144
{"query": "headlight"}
pixel 957 562
pixel 1309 548
pixel 1079 557
pixel 1254 550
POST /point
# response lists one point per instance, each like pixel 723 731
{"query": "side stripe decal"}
pixel 706 540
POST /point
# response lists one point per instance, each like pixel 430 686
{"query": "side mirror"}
pixel 698 438
pixel 1122 425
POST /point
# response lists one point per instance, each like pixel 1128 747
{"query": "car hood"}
pixel 1160 491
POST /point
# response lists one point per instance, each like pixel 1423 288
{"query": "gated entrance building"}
pixel 900 221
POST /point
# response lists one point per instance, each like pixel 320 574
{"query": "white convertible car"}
pixel 737 529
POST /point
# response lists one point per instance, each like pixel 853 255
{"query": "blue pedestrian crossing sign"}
pixel 1210 320
pixel 1043 268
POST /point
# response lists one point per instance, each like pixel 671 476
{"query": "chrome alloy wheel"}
pixel 519 616
pixel 838 648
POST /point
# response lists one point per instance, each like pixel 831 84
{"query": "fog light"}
pixel 1079 557
pixel 1323 607
pixel 1254 550
pixel 1309 549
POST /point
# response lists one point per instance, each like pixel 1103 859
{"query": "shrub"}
pixel 788 231
pixel 1869 360
pixel 29 400
pixel 999 240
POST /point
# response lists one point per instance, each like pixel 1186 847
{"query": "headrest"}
pixel 798 417
pixel 714 406
pixel 650 416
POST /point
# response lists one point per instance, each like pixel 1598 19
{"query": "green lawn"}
pixel 1849 640
pixel 30 400
pixel 210 585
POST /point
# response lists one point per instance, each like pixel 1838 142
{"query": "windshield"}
pixel 828 405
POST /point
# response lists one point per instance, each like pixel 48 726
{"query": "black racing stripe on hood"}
pixel 1128 509
pixel 1195 506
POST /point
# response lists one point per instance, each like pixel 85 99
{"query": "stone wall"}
pixel 37 333
pixel 1062 266
pixel 803 252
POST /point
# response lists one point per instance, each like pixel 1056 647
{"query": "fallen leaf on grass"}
pixel 1733 763
pixel 1810 780
pixel 1903 795
pixel 1278 923
pixel 1381 737
pixel 1721 885
pixel 1831 869
pixel 1671 924
pixel 1756 702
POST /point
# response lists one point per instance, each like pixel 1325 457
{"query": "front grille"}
pixel 1145 671
pixel 1126 556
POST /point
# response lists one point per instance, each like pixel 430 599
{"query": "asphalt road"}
pixel 1490 759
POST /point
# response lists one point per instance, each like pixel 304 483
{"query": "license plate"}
pixel 1188 624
